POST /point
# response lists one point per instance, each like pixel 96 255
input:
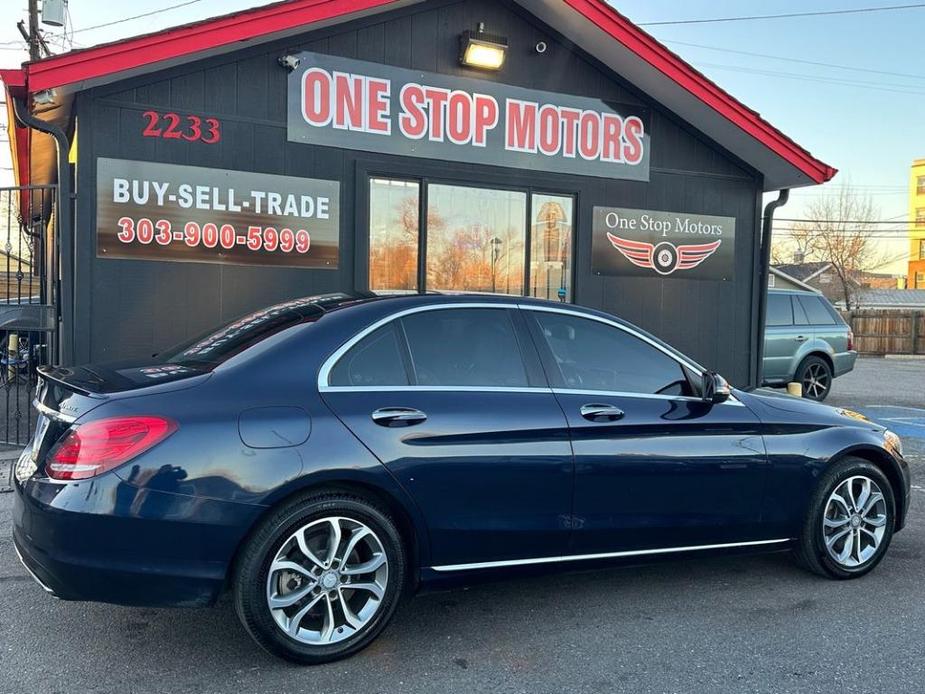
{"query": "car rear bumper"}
pixel 107 541
pixel 843 362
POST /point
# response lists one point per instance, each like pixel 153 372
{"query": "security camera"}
pixel 290 62
pixel 541 47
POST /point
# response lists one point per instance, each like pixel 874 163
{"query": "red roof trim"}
pixel 77 66
pixel 81 65
pixel 662 59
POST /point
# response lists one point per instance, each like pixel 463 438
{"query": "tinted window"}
pixel 816 312
pixel 779 312
pixel 374 361
pixel 464 347
pixel 596 356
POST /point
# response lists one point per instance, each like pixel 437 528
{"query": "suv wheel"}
pixel 815 375
pixel 320 578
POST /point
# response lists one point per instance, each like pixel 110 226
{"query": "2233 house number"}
pixel 172 126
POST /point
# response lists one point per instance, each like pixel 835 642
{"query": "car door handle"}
pixel 601 412
pixel 398 416
pixel 801 338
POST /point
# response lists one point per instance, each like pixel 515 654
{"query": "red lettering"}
pixel 413 120
pixel 348 98
pixel 612 144
pixel 589 135
pixel 459 118
pixel 570 118
pixel 521 126
pixel 378 92
pixel 486 118
pixel 550 131
pixel 436 104
pixel 633 133
pixel 316 97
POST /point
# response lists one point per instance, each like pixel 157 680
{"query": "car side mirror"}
pixel 715 388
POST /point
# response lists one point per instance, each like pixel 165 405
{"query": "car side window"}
pixel 591 355
pixel 816 312
pixel 465 347
pixel 374 361
pixel 779 310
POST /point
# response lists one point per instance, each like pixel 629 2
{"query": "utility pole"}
pixel 32 35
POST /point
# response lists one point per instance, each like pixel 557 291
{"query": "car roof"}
pixel 803 292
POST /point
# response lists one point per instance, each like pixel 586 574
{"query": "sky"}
pixel 867 124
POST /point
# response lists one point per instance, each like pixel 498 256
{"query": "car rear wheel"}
pixel 320 578
pixel 815 375
pixel 850 521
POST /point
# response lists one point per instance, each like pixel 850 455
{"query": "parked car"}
pixel 323 457
pixel 805 340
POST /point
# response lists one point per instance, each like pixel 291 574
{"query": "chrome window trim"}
pixel 53 414
pixel 437 389
pixel 325 372
pixel 602 555
pixel 645 396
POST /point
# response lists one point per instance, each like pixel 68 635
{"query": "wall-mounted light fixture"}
pixel 481 50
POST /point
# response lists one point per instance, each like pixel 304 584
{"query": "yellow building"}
pixel 917 225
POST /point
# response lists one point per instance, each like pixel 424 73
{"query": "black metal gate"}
pixel 28 300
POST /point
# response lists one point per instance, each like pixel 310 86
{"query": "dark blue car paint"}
pixel 488 476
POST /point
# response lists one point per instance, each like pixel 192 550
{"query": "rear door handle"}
pixel 601 412
pixel 398 416
pixel 801 338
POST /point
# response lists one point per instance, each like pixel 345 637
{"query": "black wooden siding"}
pixel 128 308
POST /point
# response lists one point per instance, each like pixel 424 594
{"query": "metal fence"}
pixel 28 319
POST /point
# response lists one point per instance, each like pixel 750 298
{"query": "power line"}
pixel 863 84
pixel 838 221
pixel 816 13
pixel 137 16
pixel 798 60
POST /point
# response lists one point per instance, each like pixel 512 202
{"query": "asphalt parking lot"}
pixel 743 624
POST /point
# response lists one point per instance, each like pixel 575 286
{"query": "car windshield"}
pixel 218 345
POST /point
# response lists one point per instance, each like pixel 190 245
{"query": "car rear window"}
pixel 816 312
pixel 779 311
pixel 218 345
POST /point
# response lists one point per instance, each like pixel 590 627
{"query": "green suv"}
pixel 807 341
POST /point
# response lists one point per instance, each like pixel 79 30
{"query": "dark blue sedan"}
pixel 326 456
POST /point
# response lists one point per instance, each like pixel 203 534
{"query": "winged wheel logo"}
pixel 664 257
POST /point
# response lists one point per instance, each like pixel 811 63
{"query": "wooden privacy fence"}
pixel 887 332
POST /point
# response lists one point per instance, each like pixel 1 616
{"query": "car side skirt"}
pixel 604 555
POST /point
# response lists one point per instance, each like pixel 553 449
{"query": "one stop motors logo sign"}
pixel 651 243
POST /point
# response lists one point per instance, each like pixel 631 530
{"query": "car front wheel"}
pixel 850 521
pixel 320 578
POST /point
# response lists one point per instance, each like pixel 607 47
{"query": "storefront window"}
pixel 551 247
pixel 475 239
pixel 393 235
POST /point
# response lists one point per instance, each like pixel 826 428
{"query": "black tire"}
pixel 810 549
pixel 812 370
pixel 250 578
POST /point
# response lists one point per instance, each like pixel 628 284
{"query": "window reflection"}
pixel 475 239
pixel 551 247
pixel 393 235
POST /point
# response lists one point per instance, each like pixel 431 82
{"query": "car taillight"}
pixel 93 448
pixel 850 340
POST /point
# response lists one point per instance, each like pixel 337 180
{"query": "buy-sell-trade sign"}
pixel 150 211
pixel 651 243
pixel 354 104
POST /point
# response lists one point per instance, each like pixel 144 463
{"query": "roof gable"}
pixel 591 24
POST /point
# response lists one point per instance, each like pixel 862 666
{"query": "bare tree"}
pixel 840 230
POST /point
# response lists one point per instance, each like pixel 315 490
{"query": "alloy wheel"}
pixel 327 581
pixel 816 381
pixel 854 522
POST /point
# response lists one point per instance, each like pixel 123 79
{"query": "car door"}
pixel 656 466
pixel 454 402
pixel 827 328
pixel 780 339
